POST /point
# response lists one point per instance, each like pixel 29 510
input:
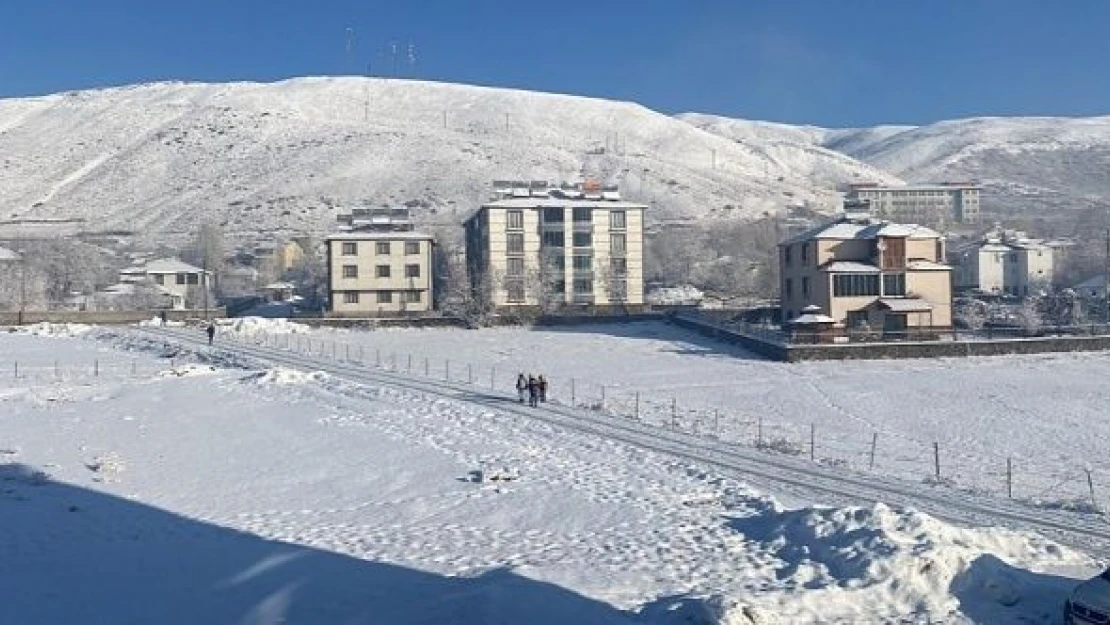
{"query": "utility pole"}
pixel 204 283
pixel 1106 279
pixel 22 284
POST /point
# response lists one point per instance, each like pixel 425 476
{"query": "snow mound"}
pixel 685 295
pixel 252 326
pixel 157 322
pixel 188 370
pixel 61 330
pixel 282 376
pixel 870 564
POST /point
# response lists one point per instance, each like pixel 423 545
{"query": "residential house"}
pixel 864 272
pixel 279 291
pixel 1004 262
pixel 539 245
pixel 378 264
pixel 187 286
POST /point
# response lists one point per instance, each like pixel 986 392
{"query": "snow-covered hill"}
pixel 1025 163
pixel 159 158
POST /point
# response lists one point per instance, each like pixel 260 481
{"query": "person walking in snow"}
pixel 542 382
pixel 521 386
pixel 533 391
pixel 211 330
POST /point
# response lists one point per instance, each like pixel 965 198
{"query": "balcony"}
pixel 583 226
pixel 583 298
pixel 553 226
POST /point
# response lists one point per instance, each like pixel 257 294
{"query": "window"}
pixel 514 220
pixel 350 248
pixel 412 297
pixel 616 220
pixel 856 285
pixel 515 267
pixel 789 288
pixel 856 318
pixel 516 243
pixel 181 278
pixel 412 248
pixel 805 287
pixel 159 278
pixel 786 254
pixel 193 278
pixel 382 271
pixel 553 215
pixel 618 266
pixel 385 297
pixel 583 286
pixel 583 239
pixel 618 243
pixel 381 248
pixel 583 263
pixel 894 284
pixel 350 271
pixel 805 253
pixel 412 271
pixel 350 297
pixel 583 215
pixel 554 238
pixel 515 291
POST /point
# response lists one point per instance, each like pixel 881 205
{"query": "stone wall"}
pixel 106 317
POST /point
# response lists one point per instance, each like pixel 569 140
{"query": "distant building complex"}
pixel 1004 262
pixel 378 264
pixel 554 246
pixel 936 205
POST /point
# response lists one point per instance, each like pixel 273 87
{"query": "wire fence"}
pixel 824 440
pixel 37 372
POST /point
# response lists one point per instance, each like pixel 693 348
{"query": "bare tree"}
pixel 1029 316
pixel 208 250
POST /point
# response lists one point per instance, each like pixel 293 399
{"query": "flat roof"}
pixel 554 202
pixel 361 235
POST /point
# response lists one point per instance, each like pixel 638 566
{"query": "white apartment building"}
pixel 1004 263
pixel 556 246
pixel 379 265
pixel 185 284
pixel 935 205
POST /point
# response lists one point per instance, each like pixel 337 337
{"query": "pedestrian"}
pixel 543 388
pixel 211 330
pixel 533 391
pixel 521 386
pixel 163 317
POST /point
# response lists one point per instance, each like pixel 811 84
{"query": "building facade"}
pixel 866 273
pixel 936 205
pixel 379 265
pixel 552 247
pixel 1004 263
pixel 187 286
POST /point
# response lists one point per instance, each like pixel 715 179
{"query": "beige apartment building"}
pixel 549 247
pixel 866 273
pixel 379 265
pixel 937 205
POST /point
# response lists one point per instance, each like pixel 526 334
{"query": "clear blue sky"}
pixel 826 62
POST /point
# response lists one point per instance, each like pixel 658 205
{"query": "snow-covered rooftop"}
pixel 8 255
pixel 371 235
pixel 908 304
pixel 848 266
pixel 847 229
pixel 167 265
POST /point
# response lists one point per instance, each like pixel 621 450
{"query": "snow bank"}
pixel 282 376
pixel 63 330
pixel 157 322
pixel 251 326
pixel 685 295
pixel 861 564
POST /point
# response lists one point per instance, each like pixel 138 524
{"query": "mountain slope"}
pixel 160 158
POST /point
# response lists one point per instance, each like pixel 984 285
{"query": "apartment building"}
pixel 545 246
pixel 864 272
pixel 379 265
pixel 936 205
pixel 1004 262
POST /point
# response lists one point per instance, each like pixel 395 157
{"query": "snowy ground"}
pixel 1043 413
pixel 192 490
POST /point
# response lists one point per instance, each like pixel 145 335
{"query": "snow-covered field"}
pixel 191 490
pixel 1038 417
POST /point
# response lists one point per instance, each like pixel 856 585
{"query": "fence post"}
pixel 96 368
pixel 56 376
pixel 426 370
pixel 361 359
pixel 393 361
pixel 759 433
pixel 603 397
pixel 447 370
pixel 133 372
pixel 874 443
pixel 348 352
pixel 333 350
pixel 716 421
pixel 410 364
pixel 16 374
pixel 492 378
pixel 636 408
pixel 572 402
pixel 377 357
pixel 469 373
pixel 674 413
pixel 936 459
pixel 812 441
pixel 1091 487
pixel 1010 477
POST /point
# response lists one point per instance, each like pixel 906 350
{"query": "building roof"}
pixel 8 255
pixel 279 286
pixel 908 304
pixel 167 265
pixel 1097 282
pixel 863 229
pixel 370 235
pixel 812 318
pixel 556 202
pixel 925 186
pixel 848 266
pixel 927 265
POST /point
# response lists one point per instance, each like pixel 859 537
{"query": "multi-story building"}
pixel 1004 263
pixel 545 246
pixel 936 205
pixel 863 272
pixel 379 265
pixel 185 285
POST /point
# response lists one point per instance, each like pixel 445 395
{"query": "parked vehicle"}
pixel 1089 603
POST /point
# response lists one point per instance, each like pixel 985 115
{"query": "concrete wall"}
pixel 934 287
pixel 107 317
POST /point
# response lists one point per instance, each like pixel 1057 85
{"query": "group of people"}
pixel 535 388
